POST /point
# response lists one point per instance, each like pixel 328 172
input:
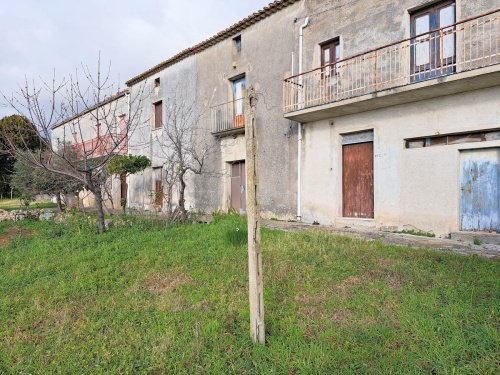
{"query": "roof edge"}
pixel 233 30
pixel 110 99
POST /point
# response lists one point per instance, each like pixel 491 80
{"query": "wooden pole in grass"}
pixel 256 285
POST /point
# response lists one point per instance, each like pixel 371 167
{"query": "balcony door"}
pixel 330 54
pixel 239 86
pixel 433 48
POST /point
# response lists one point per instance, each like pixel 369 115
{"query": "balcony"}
pixel 228 118
pixel 103 145
pixel 456 58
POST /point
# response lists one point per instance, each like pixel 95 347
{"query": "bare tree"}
pixel 185 146
pixel 89 119
pixel 170 178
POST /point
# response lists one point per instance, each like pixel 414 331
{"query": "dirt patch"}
pixel 385 262
pixel 345 286
pixel 160 283
pixel 312 305
pixel 395 283
pixel 351 280
pixel 342 316
pixel 11 233
pixel 306 299
pixel 312 312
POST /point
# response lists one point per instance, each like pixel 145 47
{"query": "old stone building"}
pixel 372 113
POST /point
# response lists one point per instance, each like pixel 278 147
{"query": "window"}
pixel 238 97
pixel 156 87
pixel 453 138
pixel 330 54
pixel 158 120
pixel 237 43
pixel 433 53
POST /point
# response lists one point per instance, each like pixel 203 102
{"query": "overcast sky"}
pixel 38 36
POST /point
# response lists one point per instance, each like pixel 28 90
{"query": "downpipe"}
pixel 299 126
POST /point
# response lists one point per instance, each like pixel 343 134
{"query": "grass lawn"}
pixel 15 204
pixel 150 299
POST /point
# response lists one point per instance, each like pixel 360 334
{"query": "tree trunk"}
pixel 182 199
pixel 58 201
pixel 100 211
pixel 106 209
pixel 169 201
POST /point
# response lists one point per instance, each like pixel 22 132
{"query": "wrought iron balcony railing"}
pixel 228 116
pixel 466 45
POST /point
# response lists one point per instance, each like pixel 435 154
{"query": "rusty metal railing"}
pixel 228 116
pixel 466 45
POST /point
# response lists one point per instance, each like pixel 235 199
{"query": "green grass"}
pixel 150 299
pixel 15 204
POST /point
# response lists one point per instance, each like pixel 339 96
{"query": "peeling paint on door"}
pixel 480 189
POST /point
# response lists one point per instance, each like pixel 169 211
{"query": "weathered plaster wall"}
pixel 418 187
pixel 415 186
pixel 265 59
pixel 363 25
pixel 177 85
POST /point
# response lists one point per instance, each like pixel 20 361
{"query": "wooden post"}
pixel 256 286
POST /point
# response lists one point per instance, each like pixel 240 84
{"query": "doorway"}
pixel 123 189
pixel 357 179
pixel 480 190
pixel 238 187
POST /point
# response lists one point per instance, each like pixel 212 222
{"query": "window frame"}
pixel 332 45
pixel 237 43
pixel 155 119
pixel 238 109
pixel 435 65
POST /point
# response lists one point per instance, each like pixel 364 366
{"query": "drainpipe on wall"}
pixel 299 132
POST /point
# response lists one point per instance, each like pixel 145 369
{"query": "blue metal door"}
pixel 480 190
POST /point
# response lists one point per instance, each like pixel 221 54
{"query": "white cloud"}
pixel 37 37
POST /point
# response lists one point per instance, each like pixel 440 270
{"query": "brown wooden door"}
pixel 158 194
pixel 357 180
pixel 123 190
pixel 238 187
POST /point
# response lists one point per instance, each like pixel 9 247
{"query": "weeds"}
pixel 149 298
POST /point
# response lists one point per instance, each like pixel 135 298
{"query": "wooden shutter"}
pixel 158 115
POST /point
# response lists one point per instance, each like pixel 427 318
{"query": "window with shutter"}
pixel 158 115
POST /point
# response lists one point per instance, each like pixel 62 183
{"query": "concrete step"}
pixel 477 238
